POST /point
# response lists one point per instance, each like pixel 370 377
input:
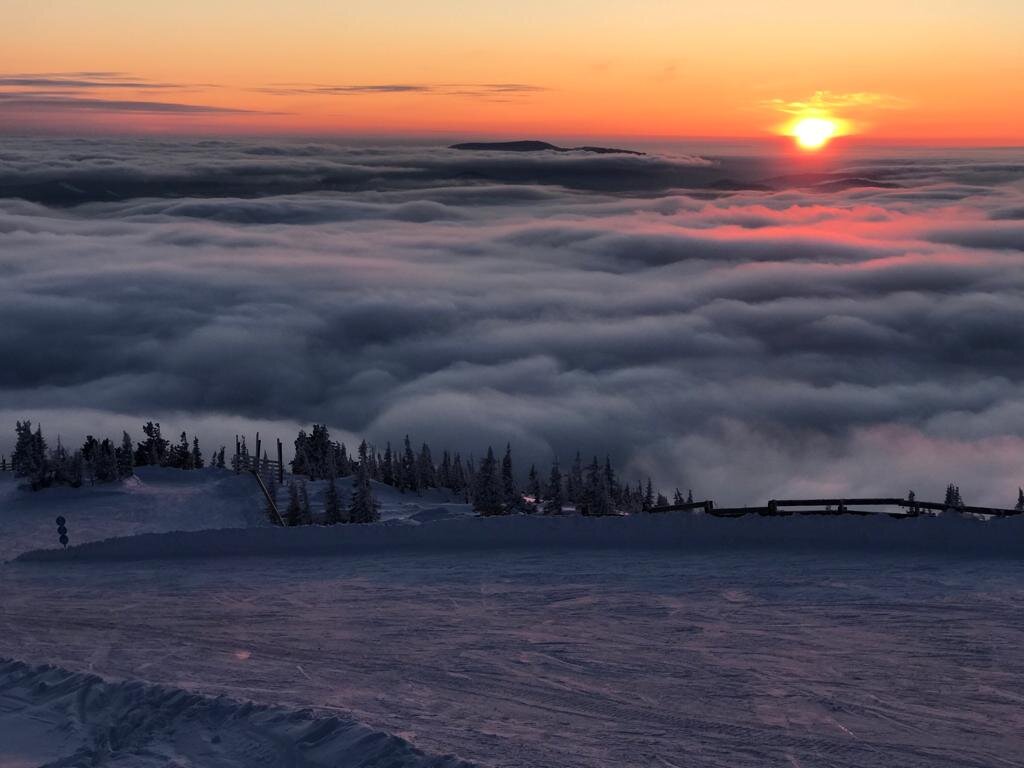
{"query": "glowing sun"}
pixel 814 132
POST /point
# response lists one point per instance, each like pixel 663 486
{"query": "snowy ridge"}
pixel 54 717
pixel 947 534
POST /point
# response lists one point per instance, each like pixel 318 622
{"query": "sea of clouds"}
pixel 739 325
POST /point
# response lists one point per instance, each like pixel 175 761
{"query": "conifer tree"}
pixel 197 455
pixel 677 498
pixel 596 500
pixel 307 510
pixel 661 500
pixel 387 474
pixel 410 477
pixel 533 485
pixel 574 481
pixel 488 498
pixel 425 468
pixel 332 504
pixel 459 480
pixel 554 498
pixel 510 495
pixel 293 516
pixel 363 507
pixel 444 471
pixel 1020 500
pixel 648 501
pixel 125 459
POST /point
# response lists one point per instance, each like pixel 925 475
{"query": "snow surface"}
pixel 952 535
pixel 159 499
pixel 55 717
pixel 580 659
pixel 668 640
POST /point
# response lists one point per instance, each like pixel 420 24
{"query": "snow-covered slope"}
pixel 52 717
pixel 157 499
pixel 948 535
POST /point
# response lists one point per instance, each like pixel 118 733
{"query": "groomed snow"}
pixel 755 658
pixel 52 717
pixel 951 535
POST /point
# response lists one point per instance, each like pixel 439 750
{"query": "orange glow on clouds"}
pixel 645 68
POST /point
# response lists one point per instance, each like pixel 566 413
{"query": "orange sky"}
pixel 941 70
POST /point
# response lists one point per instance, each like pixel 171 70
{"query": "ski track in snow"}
pixel 573 659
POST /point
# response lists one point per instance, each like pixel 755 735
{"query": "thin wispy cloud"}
pixel 26 95
pixel 475 90
pixel 836 103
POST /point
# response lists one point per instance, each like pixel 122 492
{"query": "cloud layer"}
pixel 720 323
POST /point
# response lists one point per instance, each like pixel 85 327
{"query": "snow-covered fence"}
pixel 784 507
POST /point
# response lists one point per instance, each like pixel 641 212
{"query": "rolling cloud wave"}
pixel 712 322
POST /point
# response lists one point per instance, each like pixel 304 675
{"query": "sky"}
pixel 923 71
pixel 743 325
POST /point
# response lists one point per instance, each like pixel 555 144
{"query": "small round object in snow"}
pixel 61 520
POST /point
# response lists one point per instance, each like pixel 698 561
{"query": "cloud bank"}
pixel 720 323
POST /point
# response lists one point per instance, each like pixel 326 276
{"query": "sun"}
pixel 814 132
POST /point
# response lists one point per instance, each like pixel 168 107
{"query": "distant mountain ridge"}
pixel 538 146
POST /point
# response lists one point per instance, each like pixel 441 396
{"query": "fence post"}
pixel 259 455
pixel 280 463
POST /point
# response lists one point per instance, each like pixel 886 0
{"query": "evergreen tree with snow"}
pixel 425 468
pixel 307 510
pixel 574 481
pixel 363 507
pixel 661 500
pixel 1020 500
pixel 677 498
pixel 31 458
pixel 488 498
pixel 154 449
pixel 953 499
pixel 293 516
pixel 332 504
pixel 105 467
pixel 221 463
pixel 459 479
pixel 596 500
pixel 554 496
pixel 533 488
pixel 648 501
pixel 510 496
pixel 444 471
pixel 614 490
pixel 197 455
pixel 125 459
pixel 410 475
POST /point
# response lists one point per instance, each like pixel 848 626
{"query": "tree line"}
pixel 99 461
pixel 493 487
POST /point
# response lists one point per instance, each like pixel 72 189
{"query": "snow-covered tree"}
pixel 425 468
pixel 31 459
pixel 363 507
pixel 333 513
pixel 510 495
pixel 125 460
pixel 554 496
pixel 293 516
pixel 1020 500
pixel 488 498
pixel 306 517
pixel 410 475
pixel 596 500
pixel 533 486
pixel 953 499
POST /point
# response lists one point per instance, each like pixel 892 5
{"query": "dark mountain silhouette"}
pixel 538 146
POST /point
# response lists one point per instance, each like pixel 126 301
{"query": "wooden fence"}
pixel 853 506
